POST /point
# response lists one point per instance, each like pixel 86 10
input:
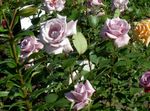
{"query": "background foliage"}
pixel 42 86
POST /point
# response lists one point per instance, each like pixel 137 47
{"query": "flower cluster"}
pixel 81 95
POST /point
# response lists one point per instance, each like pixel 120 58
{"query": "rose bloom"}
pixel 54 5
pixel 81 95
pixel 120 4
pixel 95 2
pixel 116 29
pixel 145 81
pixel 30 45
pixel 142 31
pixel 54 34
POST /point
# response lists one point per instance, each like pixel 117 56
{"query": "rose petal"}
pixel 66 45
pixel 111 36
pixel 62 18
pixel 63 46
pixel 71 28
pixel 80 105
pixel 80 96
pixel 122 41
pixel 89 88
pixel 70 97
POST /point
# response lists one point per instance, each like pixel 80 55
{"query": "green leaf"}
pixel 69 62
pixel 62 102
pixel 80 43
pixel 117 13
pixel 11 64
pixel 3 93
pixel 38 92
pixel 27 11
pixel 51 98
pixel 93 20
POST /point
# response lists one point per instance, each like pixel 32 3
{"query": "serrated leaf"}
pixel 80 43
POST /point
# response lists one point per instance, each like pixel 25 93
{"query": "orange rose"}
pixel 142 31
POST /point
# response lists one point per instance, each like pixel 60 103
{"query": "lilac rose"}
pixel 30 45
pixel 116 29
pixel 95 2
pixel 81 95
pixel 120 4
pixel 54 5
pixel 54 34
pixel 145 81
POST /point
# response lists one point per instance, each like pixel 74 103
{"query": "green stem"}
pixel 71 106
pixel 15 56
pixel 89 106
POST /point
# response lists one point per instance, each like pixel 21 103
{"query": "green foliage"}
pixel 113 72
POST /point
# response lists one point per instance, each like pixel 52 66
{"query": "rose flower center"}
pixel 54 31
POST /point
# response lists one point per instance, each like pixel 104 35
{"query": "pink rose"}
pixel 52 5
pixel 145 81
pixel 81 95
pixel 120 4
pixel 54 34
pixel 30 45
pixel 116 29
pixel 95 2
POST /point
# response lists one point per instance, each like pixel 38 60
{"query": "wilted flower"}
pixel 54 34
pixel 142 31
pixel 120 4
pixel 30 45
pixel 95 2
pixel 81 95
pixel 116 29
pixel 52 5
pixel 145 81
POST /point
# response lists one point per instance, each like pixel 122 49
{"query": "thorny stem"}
pixel 15 56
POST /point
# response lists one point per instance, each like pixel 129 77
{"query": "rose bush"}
pixel 47 71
